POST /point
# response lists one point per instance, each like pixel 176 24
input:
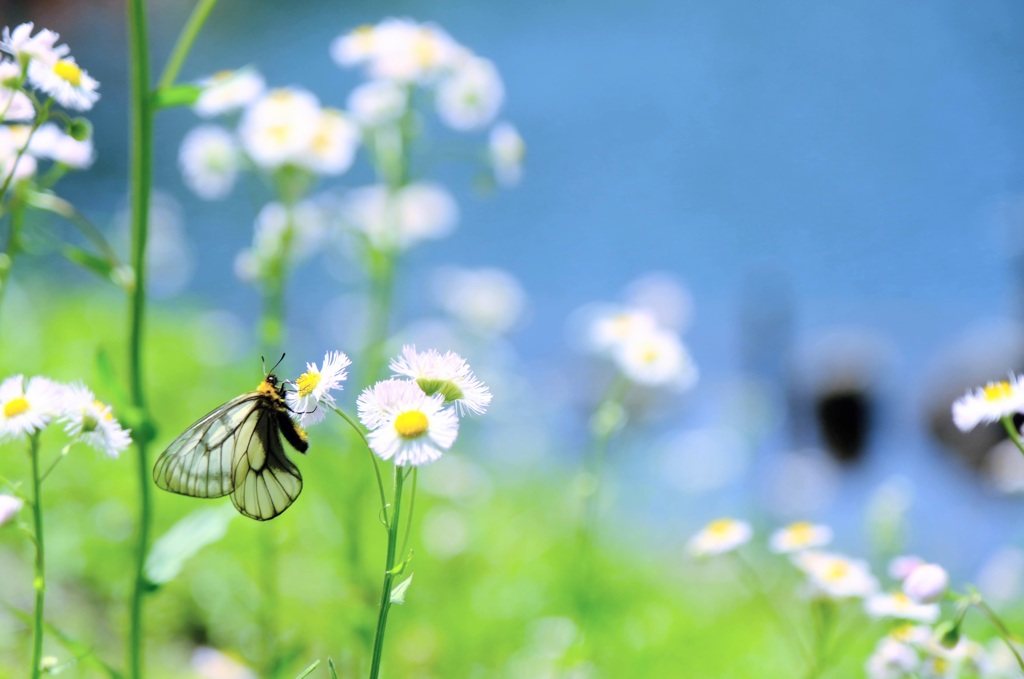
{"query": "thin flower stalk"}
pixel 39 580
pixel 389 575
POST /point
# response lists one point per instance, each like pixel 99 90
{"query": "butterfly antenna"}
pixel 278 363
pixel 264 362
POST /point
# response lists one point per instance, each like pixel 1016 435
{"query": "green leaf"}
pixel 88 261
pixel 331 668
pixel 398 591
pixel 83 653
pixel 306 672
pixel 176 95
pixel 185 538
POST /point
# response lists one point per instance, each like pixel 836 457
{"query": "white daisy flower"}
pixel 332 148
pixel 92 422
pixel 892 659
pixel 898 605
pixel 657 359
pixel 799 536
pixel 300 229
pixel 229 91
pixel 610 327
pixel 209 159
pixel 448 375
pixel 835 576
pixel 377 103
pixel 279 127
pixel 27 407
pixel 63 79
pixel 506 150
pixel 315 385
pixel 489 301
pixel 992 402
pixel 720 536
pixel 419 211
pixel 15 106
pixel 355 47
pixel 25 47
pixel 902 566
pixel 470 98
pixel 927 583
pixel 407 425
pixel 939 667
pixel 51 142
pixel 12 139
pixel 9 506
pixel 398 49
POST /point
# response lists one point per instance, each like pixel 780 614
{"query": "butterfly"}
pixel 237 450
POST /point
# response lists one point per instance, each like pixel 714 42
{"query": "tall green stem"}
pixel 141 169
pixel 607 420
pixel 39 581
pixel 389 575
pixel 183 46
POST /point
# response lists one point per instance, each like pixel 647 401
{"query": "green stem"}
pixel 41 117
pixel 11 247
pixel 1014 435
pixel 200 13
pixel 1004 632
pixel 605 423
pixel 141 177
pixel 373 458
pixel 389 577
pixel 39 582
pixel 756 585
pixel 408 518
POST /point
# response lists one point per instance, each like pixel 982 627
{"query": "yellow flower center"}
pixel 801 533
pixel 902 633
pixel 998 391
pixel 721 527
pixel 426 49
pixel 308 382
pixel 902 600
pixel 101 406
pixel 279 133
pixel 837 570
pixel 16 406
pixel 940 666
pixel 68 70
pixel 649 355
pixel 411 424
pixel 364 37
pixel 221 76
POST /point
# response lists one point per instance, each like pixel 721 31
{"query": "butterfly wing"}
pixel 199 463
pixel 265 481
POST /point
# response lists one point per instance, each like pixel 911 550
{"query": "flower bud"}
pixel 927 583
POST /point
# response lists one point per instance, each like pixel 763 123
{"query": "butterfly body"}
pixel 236 450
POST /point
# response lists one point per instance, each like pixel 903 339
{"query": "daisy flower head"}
pixel 898 605
pixel 91 422
pixel 506 150
pixel 27 406
pixel 398 220
pixel 892 659
pixel 279 127
pixel 657 359
pixel 406 425
pixel 50 141
pixel 610 327
pixel 355 47
pixel 209 159
pixel 9 506
pixel 927 583
pixel 488 301
pixel 229 91
pixel 470 98
pixel 25 47
pixel 377 103
pixel 720 536
pixel 15 106
pixel 835 576
pixel 902 566
pixel 332 148
pixel 315 386
pixel 992 402
pixel 65 81
pixel 398 49
pixel 447 375
pixel 300 228
pixel 799 536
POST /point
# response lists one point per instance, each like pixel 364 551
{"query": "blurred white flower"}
pixel 405 424
pixel 377 103
pixel 92 422
pixel 989 403
pixel 657 359
pixel 279 127
pixel 65 81
pixel 298 231
pixel 898 605
pixel 609 327
pixel 49 141
pixel 210 663
pixel 471 96
pixel 902 566
pixel 315 386
pixel 26 407
pixel 398 49
pixel 489 301
pixel 926 583
pixel 892 659
pixel 9 506
pixel 12 139
pixel 229 91
pixel 720 536
pixel 836 576
pixel 209 159
pixel 332 148
pixel 24 46
pixel 448 375
pixel 15 106
pixel 355 47
pixel 506 150
pixel 416 212
pixel 799 536
pixel 665 297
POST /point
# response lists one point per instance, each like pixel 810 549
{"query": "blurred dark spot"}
pixel 845 419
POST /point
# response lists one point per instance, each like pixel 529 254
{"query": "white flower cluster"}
pixel 995 401
pixel 644 351
pixel 287 233
pixel 28 406
pixel 47 67
pixel 915 652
